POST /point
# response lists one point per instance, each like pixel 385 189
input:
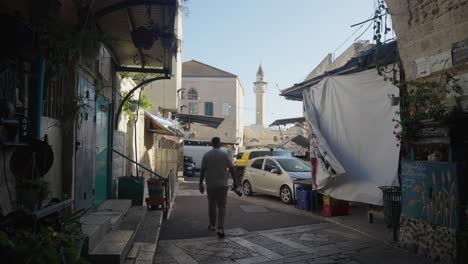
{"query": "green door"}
pixel 102 149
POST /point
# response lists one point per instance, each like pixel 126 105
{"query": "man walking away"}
pixel 213 168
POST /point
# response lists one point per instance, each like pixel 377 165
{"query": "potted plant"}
pixel 72 237
pixel 31 193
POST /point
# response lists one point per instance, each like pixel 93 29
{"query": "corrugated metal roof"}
pixel 385 55
pixel 287 121
pixel 115 18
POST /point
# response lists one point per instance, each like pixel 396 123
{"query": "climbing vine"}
pixel 419 99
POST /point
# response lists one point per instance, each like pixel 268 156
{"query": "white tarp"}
pixel 351 122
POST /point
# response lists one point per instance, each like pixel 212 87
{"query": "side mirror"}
pixel 275 171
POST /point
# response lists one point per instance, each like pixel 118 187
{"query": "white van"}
pixel 197 152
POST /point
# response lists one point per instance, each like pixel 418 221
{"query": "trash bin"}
pixel 392 207
pixel 131 188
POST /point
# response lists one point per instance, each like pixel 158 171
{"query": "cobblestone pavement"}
pixel 316 243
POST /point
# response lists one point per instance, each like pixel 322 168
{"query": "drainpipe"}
pixel 38 94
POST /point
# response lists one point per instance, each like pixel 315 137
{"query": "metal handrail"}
pixel 138 164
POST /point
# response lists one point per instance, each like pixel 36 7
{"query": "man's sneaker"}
pixel 211 228
pixel 236 191
pixel 220 232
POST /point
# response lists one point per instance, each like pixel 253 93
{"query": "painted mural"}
pixel 430 192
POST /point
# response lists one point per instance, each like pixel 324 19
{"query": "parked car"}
pixel 243 158
pixel 189 166
pixel 274 176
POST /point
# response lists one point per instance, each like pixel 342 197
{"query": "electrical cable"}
pixel 370 24
pixel 135 136
pixel 6 180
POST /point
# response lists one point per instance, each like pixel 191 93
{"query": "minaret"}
pixel 259 90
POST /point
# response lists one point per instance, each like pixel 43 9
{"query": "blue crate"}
pixel 303 196
pixel 306 199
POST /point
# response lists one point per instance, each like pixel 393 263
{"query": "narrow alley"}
pixel 260 229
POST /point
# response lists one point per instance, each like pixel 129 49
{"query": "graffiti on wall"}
pixel 430 192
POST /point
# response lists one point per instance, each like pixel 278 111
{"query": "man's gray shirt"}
pixel 215 162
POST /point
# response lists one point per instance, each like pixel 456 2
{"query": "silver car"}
pixel 274 176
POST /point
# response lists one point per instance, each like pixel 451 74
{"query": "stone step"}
pixel 146 239
pixel 95 227
pixel 98 223
pixel 113 248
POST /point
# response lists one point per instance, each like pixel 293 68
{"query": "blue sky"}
pixel 289 38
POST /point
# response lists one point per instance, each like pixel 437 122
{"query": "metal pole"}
pixel 36 109
pixel 129 95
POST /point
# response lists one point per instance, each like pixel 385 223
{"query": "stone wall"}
pixel 423 238
pixel 426 30
pixel 118 162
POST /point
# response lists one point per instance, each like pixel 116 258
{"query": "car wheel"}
pixel 286 195
pixel 247 188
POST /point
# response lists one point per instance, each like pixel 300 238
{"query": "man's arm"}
pixel 202 175
pixel 232 172
pixel 201 188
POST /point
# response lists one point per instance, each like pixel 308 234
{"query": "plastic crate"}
pixel 316 201
pixel 333 207
pixel 303 195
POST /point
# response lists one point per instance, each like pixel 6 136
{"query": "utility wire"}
pixel 370 24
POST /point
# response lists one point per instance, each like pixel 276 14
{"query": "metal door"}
pixel 272 181
pixel 102 149
pixel 85 145
pixel 256 174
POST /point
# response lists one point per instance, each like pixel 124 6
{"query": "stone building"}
pixel 432 40
pixel 212 92
pixel 257 135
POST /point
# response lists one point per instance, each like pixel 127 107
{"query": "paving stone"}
pixel 180 256
pixel 252 260
pixel 143 262
pixel 253 209
pixel 144 255
pixel 235 232
pixel 344 233
pixel 284 241
pixel 257 248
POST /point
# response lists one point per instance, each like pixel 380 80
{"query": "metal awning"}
pixel 298 140
pixel 288 121
pixel 124 21
pixel 384 55
pixel 208 121
pixel 163 126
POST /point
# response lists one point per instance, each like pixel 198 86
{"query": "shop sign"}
pixel 460 52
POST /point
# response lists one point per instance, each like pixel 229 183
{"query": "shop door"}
pixel 102 149
pixel 85 145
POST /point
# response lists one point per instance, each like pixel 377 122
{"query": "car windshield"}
pixel 281 153
pixel 294 165
pixel 188 159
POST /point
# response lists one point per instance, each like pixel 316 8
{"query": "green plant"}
pixel 58 241
pixel 419 100
pixel 144 103
pixel 426 100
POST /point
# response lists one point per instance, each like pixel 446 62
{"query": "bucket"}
pixel 156 188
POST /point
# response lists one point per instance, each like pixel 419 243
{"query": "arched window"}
pixel 192 94
pixel 275 138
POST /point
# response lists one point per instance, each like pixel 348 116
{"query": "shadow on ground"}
pixel 189 218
